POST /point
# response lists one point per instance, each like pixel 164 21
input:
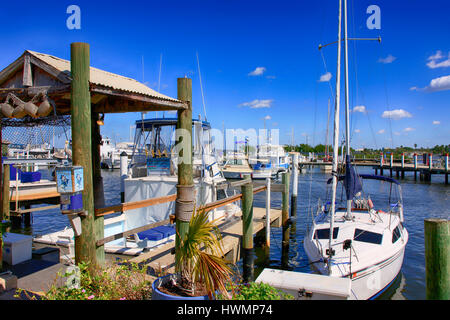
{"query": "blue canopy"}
pixel 149 123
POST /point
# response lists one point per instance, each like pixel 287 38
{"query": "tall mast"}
pixel 326 136
pixel 347 111
pixel 336 138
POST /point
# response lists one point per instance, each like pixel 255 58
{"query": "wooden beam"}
pixel 125 97
pixel 27 79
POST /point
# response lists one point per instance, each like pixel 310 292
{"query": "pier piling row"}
pixel 425 171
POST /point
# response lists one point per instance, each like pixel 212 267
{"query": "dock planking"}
pixel 162 258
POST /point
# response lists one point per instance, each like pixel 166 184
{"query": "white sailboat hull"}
pixel 367 282
pixel 370 283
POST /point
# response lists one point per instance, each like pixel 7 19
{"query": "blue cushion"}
pixel 167 231
pixel 30 177
pixel 150 235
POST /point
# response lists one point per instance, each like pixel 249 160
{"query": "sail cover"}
pixel 352 183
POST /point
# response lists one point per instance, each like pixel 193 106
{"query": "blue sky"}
pixel 260 58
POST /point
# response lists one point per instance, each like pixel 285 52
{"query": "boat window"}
pixel 396 234
pixel 325 233
pixel 367 236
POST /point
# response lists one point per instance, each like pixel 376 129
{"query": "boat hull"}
pixel 368 283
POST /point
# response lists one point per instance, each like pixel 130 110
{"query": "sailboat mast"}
pixel 336 138
pixel 326 136
pixel 347 110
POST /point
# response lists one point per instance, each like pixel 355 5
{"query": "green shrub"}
pixel 259 291
pixel 115 282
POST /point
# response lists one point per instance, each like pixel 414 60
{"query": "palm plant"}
pixel 200 261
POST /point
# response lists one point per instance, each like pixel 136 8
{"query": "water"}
pixel 421 200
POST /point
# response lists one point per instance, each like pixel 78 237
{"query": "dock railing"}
pixel 122 207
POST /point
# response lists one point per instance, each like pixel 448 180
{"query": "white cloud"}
pixel 409 129
pixel 397 133
pixel 257 72
pixel 436 122
pixel 432 60
pixel 396 114
pixel 437 84
pixel 357 130
pixel 325 77
pixel 267 117
pixel 257 103
pixel 271 77
pixel 361 109
pixel 381 131
pixel 389 59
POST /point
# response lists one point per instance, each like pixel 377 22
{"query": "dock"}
pixel 162 259
pixel 424 171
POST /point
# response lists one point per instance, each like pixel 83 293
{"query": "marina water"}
pixel 421 200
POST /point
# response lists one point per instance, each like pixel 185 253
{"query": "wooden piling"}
pixel 85 244
pixel 294 184
pixel 285 209
pixel 184 204
pixel 99 195
pixel 247 232
pixel 123 174
pixel 268 195
pixel 4 214
pixel 437 259
pixel 446 167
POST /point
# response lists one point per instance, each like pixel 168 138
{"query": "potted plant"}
pixel 201 270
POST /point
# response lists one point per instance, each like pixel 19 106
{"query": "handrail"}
pixel 99 212
pixel 140 204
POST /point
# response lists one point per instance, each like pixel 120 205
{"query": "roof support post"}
pixel 184 205
pixel 85 244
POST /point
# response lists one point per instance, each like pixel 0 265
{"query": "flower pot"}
pixel 158 295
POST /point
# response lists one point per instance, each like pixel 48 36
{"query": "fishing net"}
pixel 34 123
pixel 29 131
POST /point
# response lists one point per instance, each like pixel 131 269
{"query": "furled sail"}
pixel 352 181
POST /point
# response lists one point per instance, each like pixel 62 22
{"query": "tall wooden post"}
pixel 268 210
pixel 99 195
pixel 437 259
pixel 247 225
pixel 285 218
pixel 415 166
pixel 4 215
pixel 294 184
pixel 446 167
pixel 85 244
pixel 184 205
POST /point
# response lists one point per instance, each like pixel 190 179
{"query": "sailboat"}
pixel 361 240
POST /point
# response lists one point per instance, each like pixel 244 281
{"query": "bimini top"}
pixel 369 176
pixel 149 123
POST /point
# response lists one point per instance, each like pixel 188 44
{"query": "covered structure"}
pixel 76 91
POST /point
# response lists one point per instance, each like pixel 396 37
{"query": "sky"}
pixel 260 60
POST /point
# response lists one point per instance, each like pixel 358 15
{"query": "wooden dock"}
pixel 424 171
pixel 162 259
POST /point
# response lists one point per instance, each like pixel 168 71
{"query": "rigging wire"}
pixel 201 86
